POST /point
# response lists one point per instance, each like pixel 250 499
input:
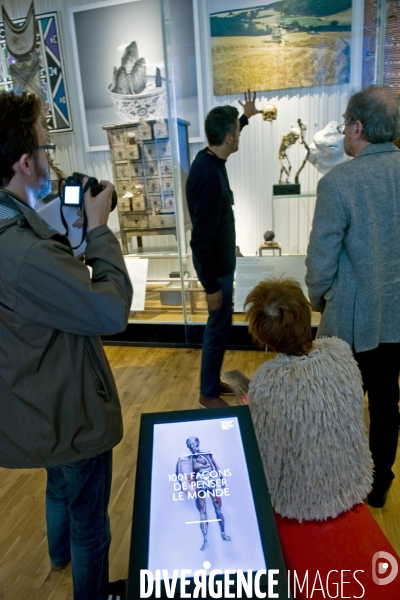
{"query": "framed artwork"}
pixel 52 78
pixel 282 44
pixel 118 24
pixel 101 33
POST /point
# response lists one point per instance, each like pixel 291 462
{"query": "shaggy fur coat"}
pixel 308 413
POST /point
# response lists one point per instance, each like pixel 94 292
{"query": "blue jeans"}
pixel 77 497
pixel 217 336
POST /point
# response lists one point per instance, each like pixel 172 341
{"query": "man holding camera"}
pixel 59 406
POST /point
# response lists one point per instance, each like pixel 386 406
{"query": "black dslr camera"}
pixel 74 190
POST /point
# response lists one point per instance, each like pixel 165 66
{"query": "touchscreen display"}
pixel 202 507
pixel 72 194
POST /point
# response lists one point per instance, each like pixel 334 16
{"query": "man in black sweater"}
pixel 213 242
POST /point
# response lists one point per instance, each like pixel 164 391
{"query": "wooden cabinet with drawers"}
pixel 143 177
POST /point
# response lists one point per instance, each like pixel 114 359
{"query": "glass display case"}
pixel 208 65
pixel 190 56
pixel 198 57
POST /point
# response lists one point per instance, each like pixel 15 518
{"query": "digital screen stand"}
pixel 202 512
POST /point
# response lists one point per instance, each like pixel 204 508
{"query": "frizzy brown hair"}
pixel 18 116
pixel 279 316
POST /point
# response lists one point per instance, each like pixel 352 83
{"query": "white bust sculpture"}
pixel 327 151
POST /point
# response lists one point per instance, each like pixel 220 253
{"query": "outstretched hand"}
pixel 249 104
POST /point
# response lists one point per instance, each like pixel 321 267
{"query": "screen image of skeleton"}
pixel 197 467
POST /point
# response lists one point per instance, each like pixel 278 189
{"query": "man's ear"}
pixel 23 165
pixel 358 129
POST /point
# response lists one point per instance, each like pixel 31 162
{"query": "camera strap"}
pixel 63 220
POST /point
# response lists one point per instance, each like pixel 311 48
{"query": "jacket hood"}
pixel 25 212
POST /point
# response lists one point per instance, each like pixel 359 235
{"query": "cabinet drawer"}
pixel 167 185
pixel 154 201
pixel 137 182
pixel 122 171
pixel 144 131
pixel 164 148
pixel 160 130
pixel 153 186
pixel 131 135
pixel 123 186
pixel 119 153
pixel 132 152
pixel 149 151
pixel 151 168
pixel 124 204
pixel 118 137
pixel 138 203
pixel 166 167
pixel 135 221
pixel 137 186
pixel 136 169
pixel 159 221
pixel 169 202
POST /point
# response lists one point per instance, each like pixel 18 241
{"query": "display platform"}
pixel 202 508
pixel 349 554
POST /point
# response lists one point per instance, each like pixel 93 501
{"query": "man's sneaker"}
pixel 117 590
pixel 225 389
pixel 215 403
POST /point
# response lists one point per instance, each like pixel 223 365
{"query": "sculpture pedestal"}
pixel 285 189
pixel 270 246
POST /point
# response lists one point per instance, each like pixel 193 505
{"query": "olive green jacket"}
pixel 58 399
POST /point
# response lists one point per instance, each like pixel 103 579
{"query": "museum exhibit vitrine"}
pixel 128 84
pixel 142 169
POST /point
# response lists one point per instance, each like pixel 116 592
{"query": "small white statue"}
pixel 327 150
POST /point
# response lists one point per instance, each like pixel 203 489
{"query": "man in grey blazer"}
pixel 353 264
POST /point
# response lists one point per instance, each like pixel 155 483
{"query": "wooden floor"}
pixel 149 380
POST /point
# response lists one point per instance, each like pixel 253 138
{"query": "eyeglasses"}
pixel 341 127
pixel 50 148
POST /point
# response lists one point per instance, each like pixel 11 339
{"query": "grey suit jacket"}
pixel 353 258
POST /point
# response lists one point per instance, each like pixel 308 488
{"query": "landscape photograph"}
pixel 278 45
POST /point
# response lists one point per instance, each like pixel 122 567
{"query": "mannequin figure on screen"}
pixel 197 467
